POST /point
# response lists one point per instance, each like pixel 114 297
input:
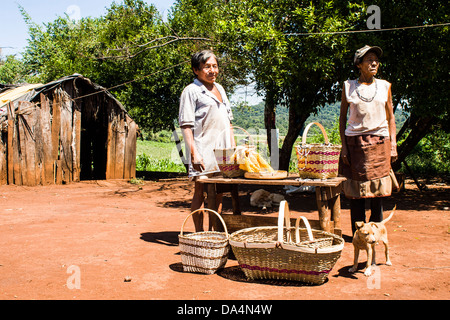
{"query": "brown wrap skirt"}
pixel 370 163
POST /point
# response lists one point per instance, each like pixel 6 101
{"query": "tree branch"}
pixel 146 47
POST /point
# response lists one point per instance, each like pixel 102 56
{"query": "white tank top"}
pixel 367 108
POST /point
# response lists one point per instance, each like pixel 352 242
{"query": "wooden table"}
pixel 327 199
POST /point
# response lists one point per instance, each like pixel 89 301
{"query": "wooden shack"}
pixel 62 132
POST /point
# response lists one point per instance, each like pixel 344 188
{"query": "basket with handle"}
pixel 229 168
pixel 272 253
pixel 315 160
pixel 204 252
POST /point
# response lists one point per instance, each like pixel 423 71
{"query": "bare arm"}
pixel 342 126
pixel 392 127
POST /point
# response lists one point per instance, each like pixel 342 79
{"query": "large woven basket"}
pixel 228 168
pixel 318 161
pixel 272 253
pixel 204 252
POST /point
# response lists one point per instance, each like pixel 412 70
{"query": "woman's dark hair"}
pixel 201 57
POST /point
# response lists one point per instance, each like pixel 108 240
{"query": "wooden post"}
pixel 10 143
pixel 214 222
pixel 130 150
pixel 110 151
pixel 76 144
pixel 3 163
pixel 322 206
pixel 39 145
pixel 27 142
pixel 46 127
pixel 56 129
pixel 66 139
pixel 120 146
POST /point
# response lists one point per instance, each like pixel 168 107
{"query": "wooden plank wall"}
pixel 121 145
pixel 43 142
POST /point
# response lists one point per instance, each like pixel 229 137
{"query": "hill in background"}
pixel 253 117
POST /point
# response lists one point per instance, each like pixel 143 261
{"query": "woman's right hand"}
pixel 197 162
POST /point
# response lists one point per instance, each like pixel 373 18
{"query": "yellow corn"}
pixel 251 161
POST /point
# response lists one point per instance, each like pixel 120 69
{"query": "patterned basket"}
pixel 228 168
pixel 270 252
pixel 318 161
pixel 204 252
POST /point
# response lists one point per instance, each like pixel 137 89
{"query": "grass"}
pixel 158 156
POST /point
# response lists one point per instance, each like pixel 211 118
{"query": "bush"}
pixel 431 156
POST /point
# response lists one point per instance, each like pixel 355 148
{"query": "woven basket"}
pixel 204 252
pixel 318 161
pixel 228 168
pixel 271 252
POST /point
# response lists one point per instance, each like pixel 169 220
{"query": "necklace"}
pixel 364 98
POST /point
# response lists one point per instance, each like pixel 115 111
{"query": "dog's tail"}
pixel 390 216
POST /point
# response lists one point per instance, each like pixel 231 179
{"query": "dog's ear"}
pixel 359 224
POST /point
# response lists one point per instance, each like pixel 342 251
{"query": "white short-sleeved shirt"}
pixel 367 117
pixel 210 120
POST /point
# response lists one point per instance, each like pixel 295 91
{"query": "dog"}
pixel 365 238
pixel 264 199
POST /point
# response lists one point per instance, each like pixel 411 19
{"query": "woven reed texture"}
pixel 271 252
pixel 318 161
pixel 228 168
pixel 282 264
pixel 204 252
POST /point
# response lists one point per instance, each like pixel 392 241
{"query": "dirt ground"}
pixel 114 240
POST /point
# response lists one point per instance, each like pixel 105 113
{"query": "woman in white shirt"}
pixel 369 138
pixel 205 119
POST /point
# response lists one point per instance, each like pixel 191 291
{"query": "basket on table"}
pixel 229 168
pixel 315 160
pixel 272 252
pixel 204 252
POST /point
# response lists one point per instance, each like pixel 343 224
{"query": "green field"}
pixel 158 156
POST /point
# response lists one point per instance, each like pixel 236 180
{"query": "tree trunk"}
pixel 269 116
pixel 296 122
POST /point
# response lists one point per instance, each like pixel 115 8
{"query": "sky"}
pixel 14 35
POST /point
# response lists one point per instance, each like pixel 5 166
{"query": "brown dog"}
pixel 365 238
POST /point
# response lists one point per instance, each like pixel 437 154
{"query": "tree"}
pixel 130 50
pixel 12 70
pixel 297 71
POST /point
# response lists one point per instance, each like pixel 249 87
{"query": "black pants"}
pixel 358 210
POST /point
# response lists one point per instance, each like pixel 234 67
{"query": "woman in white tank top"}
pixel 368 139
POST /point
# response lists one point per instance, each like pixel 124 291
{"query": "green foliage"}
pixel 127 45
pixel 12 70
pixel 257 41
pixel 147 163
pixel 431 155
